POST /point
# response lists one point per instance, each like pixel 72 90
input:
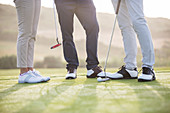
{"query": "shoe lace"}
pixel 120 68
pixel 147 70
pixel 99 67
pixel 30 72
pixel 36 73
pixel 71 70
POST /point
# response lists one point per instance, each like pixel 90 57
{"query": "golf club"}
pixel 105 66
pixel 58 43
pixel 99 79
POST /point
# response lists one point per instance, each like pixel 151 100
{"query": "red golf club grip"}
pixel 55 46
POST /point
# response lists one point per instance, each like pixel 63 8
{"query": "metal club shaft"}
pixel 117 10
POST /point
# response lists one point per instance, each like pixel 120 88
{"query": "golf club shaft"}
pixel 110 44
pixel 117 10
pixel 55 17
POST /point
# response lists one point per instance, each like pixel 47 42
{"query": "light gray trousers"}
pixel 131 20
pixel 28 12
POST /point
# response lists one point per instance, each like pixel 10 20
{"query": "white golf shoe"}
pixel 147 75
pixel 29 77
pixel 71 73
pixel 124 73
pixel 37 73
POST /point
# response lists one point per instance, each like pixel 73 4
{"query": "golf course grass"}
pixel 84 95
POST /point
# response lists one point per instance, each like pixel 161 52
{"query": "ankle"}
pixel 30 68
pixel 23 70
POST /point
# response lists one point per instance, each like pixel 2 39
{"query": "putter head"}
pixel 59 44
pixel 99 79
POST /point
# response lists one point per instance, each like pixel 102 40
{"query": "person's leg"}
pixel 86 14
pixel 135 9
pixel 129 71
pixel 129 38
pixel 66 9
pixel 23 70
pixel 25 11
pixel 25 18
pixel 30 54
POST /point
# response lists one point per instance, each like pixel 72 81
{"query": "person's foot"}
pixel 147 75
pixel 96 72
pixel 37 73
pixel 29 77
pixel 124 73
pixel 71 73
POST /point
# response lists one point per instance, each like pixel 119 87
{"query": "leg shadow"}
pixel 12 89
pixel 86 101
pixel 151 96
pixel 40 104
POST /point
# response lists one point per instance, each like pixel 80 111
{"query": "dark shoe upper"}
pixel 147 75
pixel 147 71
pixel 96 70
pixel 125 73
pixel 70 70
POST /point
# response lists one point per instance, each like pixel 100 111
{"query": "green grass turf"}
pixel 84 95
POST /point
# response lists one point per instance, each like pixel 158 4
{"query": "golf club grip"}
pixel 55 46
pixel 118 5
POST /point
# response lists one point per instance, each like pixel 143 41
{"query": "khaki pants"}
pixel 131 22
pixel 28 16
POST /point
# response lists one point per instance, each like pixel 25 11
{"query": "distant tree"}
pixel 39 64
pixel 8 62
pixel 166 49
pixel 53 62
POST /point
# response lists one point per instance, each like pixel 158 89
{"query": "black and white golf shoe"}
pixel 147 75
pixel 96 72
pixel 71 73
pixel 124 73
pixel 92 73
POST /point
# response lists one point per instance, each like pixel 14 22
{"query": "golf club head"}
pixel 59 44
pixel 99 79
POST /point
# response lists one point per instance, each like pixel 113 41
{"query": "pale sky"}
pixel 152 8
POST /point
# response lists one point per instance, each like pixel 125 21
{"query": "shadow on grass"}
pixel 86 101
pixel 12 89
pixel 40 104
pixel 161 97
pixel 9 79
pixel 15 87
pixel 152 96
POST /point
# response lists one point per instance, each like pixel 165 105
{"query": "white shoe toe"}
pixel 115 76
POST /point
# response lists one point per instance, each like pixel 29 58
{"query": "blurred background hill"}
pixel 160 29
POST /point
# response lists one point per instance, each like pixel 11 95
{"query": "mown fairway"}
pixel 84 95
